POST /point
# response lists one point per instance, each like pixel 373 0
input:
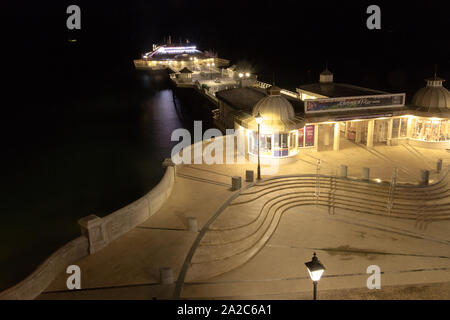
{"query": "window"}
pixel 395 127
pixel 280 145
pixel 252 142
pixel 265 146
pixel 403 127
pixel 292 140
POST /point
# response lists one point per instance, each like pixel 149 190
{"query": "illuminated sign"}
pixel 354 103
pixel 172 50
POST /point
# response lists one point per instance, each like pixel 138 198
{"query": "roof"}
pixel 244 99
pixel 335 90
pixel 185 70
pixel 276 111
pixel 432 99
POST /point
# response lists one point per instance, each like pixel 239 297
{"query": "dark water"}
pixel 101 152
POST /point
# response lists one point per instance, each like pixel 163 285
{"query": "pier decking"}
pixel 414 259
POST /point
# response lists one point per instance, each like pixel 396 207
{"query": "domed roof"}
pixel 434 97
pixel 274 107
pixel 277 112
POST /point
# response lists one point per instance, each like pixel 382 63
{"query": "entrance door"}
pixel 380 131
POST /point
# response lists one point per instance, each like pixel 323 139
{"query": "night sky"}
pixel 286 40
pixel 291 38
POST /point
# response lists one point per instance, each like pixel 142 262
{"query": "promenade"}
pixel 227 263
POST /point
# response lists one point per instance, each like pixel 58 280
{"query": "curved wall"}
pixel 111 227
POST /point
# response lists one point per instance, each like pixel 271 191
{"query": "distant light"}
pixel 241 75
pixel 247 74
pixel 213 64
pixel 378 180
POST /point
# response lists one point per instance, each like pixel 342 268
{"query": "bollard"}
pixel 343 171
pixel 439 166
pixel 236 183
pixel 424 177
pixel 166 275
pixel 169 163
pixel 249 175
pixel 366 173
pixel 192 224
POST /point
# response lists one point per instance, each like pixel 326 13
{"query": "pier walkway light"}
pixel 247 74
pixel 315 269
pixel 241 75
pixel 259 119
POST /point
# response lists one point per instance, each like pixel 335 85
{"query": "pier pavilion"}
pixel 177 57
pixel 326 112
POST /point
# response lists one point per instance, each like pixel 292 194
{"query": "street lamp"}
pixel 315 269
pixel 259 120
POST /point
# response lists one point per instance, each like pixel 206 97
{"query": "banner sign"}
pixel 354 103
pixel 309 136
pixel 301 137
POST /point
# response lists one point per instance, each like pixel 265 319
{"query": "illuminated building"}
pixel 326 112
pixel 176 57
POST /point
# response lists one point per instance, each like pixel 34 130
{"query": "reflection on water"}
pixel 101 160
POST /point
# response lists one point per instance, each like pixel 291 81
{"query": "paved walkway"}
pixel 346 242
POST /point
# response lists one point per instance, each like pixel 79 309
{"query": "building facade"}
pixel 326 112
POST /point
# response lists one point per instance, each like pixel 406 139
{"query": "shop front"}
pixel 272 144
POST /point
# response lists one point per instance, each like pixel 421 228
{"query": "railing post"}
pixel 390 202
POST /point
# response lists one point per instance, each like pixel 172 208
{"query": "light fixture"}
pixel 315 269
pixel 259 119
pixel 241 75
pixel 247 74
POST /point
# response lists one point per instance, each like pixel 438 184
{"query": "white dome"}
pixel 274 107
pixel 434 97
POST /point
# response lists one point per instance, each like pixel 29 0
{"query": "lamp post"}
pixel 315 269
pixel 259 120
